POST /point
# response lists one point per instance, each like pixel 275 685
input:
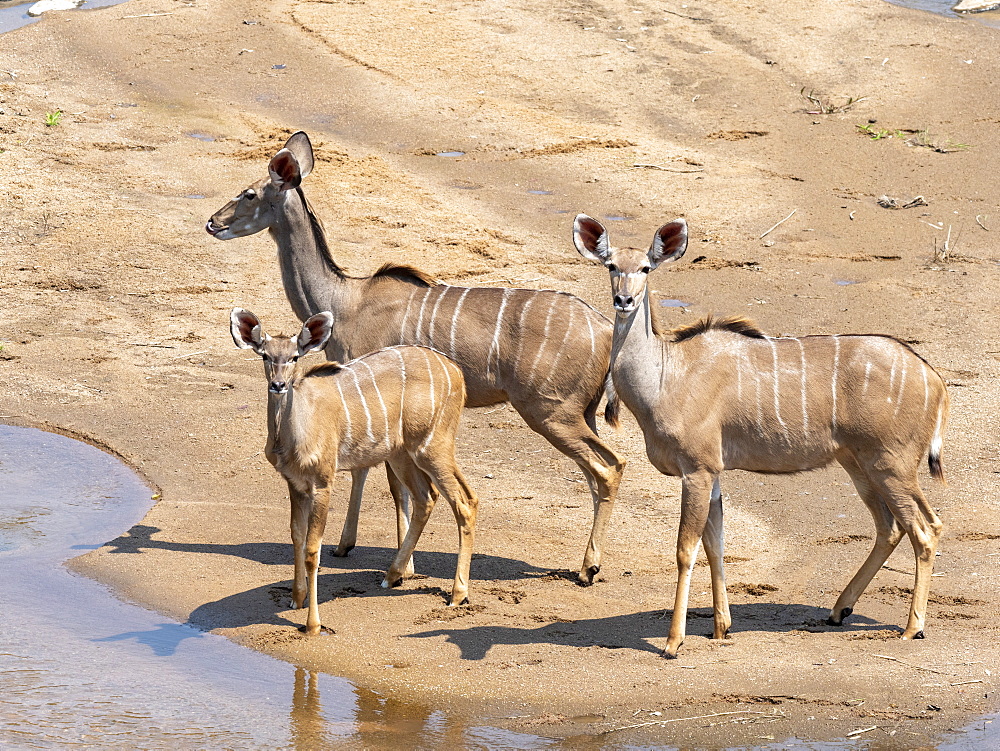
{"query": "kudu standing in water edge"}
pixel 399 405
pixel 545 352
pixel 719 394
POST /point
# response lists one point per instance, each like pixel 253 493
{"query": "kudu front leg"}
pixel 314 541
pixel 349 535
pixel 696 497
pixel 301 510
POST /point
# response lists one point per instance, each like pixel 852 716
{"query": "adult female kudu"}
pixel 719 394
pixel 399 405
pixel 545 352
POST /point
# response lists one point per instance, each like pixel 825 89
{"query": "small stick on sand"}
pixel 864 730
pixel 676 719
pixel 981 224
pixel 911 665
pixel 777 225
pixel 666 169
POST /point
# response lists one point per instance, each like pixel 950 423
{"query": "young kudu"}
pixel 719 395
pixel 545 352
pixel 400 405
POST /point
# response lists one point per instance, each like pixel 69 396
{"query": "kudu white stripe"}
pixel 309 439
pixel 697 420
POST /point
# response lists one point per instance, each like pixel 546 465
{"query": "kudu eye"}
pixel 249 194
pixel 645 269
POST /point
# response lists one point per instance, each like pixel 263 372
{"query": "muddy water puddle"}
pixel 14 15
pixel 80 667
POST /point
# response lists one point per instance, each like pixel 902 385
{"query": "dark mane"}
pixel 736 324
pixel 323 369
pixel 320 236
pixel 404 274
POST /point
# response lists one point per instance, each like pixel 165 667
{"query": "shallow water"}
pixel 15 15
pixel 944 8
pixel 80 667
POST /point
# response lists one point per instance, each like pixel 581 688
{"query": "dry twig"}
pixel 777 225
pixel 911 665
pixel 675 719
pixel 981 224
pixel 666 169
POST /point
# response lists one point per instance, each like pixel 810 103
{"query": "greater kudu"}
pixel 719 394
pixel 545 352
pixel 399 405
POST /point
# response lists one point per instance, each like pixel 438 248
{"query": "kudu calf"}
pixel 719 394
pixel 545 352
pixel 399 405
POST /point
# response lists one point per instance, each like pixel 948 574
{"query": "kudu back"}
pixel 719 394
pixel 399 405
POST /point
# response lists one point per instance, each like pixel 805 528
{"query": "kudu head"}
pixel 257 207
pixel 280 353
pixel 629 267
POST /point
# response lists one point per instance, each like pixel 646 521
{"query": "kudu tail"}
pixel 937 441
pixel 613 408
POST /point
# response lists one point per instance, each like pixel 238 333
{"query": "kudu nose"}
pixel 278 387
pixel 624 301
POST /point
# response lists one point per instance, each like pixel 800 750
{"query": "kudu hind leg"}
pixel 922 526
pixel 448 478
pixel 402 502
pixel 418 485
pixel 714 540
pixel 887 536
pixel 696 502
pixel 349 535
pixel 600 465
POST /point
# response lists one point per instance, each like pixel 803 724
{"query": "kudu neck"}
pixel 310 275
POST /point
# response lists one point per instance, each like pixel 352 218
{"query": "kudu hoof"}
pixel 341 552
pixel 918 635
pixel 465 601
pixel 586 578
pixel 668 655
pixel 386 584
pixel 831 621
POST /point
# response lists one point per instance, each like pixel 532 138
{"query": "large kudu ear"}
pixel 246 330
pixel 301 148
pixel 285 171
pixel 591 239
pixel 315 333
pixel 669 243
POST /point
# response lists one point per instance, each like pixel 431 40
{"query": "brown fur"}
pixel 736 324
pixel 404 273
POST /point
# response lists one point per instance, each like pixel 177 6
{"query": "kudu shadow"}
pixel 635 631
pixel 362 558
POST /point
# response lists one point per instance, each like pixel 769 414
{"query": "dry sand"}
pixel 115 325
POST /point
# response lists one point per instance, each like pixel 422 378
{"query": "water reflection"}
pixel 80 667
